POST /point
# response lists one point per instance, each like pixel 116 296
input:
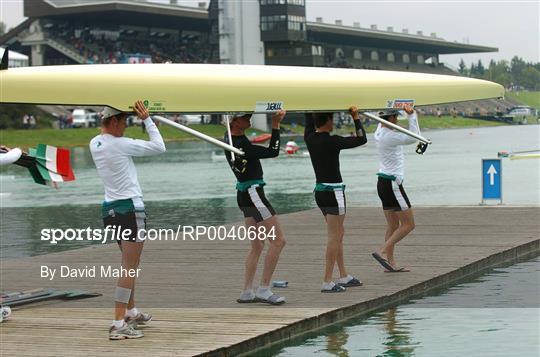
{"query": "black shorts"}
pixel 392 195
pixel 254 204
pixel 134 221
pixel 331 202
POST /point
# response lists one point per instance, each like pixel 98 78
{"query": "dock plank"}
pixel 191 286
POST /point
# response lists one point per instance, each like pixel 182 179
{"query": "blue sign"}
pixel 491 179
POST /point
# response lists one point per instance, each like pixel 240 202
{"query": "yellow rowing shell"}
pixel 524 156
pixel 209 88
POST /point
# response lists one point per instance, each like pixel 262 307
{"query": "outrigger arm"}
pixel 397 127
pixel 199 135
pixel 229 135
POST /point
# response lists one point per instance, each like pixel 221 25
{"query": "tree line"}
pixel 514 74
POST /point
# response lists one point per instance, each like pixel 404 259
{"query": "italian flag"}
pixel 47 164
pixel 53 163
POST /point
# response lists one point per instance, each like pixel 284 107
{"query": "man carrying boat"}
pixel 258 212
pixel 396 206
pixel 324 150
pixel 123 207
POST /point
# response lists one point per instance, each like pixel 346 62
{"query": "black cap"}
pixel 388 113
pixel 240 115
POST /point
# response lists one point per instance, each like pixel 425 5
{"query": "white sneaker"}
pixel 142 318
pixel 126 331
pixel 5 313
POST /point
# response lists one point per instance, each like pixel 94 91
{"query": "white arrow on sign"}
pixel 491 172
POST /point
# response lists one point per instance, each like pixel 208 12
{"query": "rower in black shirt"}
pixel 324 151
pixel 248 168
pixel 258 212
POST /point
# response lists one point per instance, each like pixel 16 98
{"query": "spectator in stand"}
pixel 26 121
pixel 32 122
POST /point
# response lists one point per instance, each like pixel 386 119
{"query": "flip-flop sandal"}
pixel 245 301
pixel 383 262
pixel 352 282
pixel 335 289
pixel 272 300
pixel 400 270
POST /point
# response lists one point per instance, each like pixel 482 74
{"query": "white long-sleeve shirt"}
pixel 390 147
pixel 113 159
pixel 10 157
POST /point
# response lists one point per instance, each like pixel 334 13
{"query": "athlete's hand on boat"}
pixel 353 111
pixel 277 117
pixel 141 110
pixel 408 109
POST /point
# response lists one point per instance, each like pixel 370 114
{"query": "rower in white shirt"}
pixel 396 206
pixel 123 206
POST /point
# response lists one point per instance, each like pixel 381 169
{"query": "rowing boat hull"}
pixel 206 88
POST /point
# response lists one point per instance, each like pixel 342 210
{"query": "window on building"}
pixel 270 52
pixel 273 2
pixel 390 57
pixel 406 58
pixel 296 23
pixel 316 50
pixel 283 2
pixel 374 55
pixel 357 54
pixel 420 59
pixel 275 22
pixel 283 51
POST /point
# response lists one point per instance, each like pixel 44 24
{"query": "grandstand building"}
pixel 272 32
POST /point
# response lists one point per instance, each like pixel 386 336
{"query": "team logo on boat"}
pixel 399 103
pixel 155 105
pixel 268 106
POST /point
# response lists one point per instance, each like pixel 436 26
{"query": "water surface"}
pixel 497 314
pixel 187 186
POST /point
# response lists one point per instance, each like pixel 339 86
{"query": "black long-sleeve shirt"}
pixel 253 154
pixel 324 149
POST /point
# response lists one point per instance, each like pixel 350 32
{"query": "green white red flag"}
pixel 54 163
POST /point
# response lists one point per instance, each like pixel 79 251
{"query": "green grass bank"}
pixel 82 136
pixel 530 98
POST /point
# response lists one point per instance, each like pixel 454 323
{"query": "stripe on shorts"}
pixel 258 203
pixel 340 198
pixel 139 221
pixel 399 197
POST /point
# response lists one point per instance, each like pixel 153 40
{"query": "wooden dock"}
pixel 191 286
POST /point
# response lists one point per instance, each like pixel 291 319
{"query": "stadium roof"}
pixel 40 8
pixel 162 14
pixel 355 36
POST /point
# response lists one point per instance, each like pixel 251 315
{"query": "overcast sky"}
pixel 512 26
